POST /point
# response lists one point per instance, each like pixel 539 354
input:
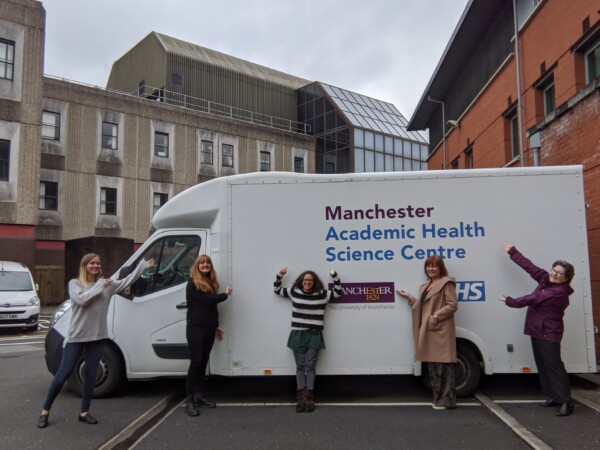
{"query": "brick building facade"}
pixel 477 85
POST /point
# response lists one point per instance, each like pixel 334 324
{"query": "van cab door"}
pixel 149 321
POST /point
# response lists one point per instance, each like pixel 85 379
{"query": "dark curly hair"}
pixel 569 269
pixel 317 283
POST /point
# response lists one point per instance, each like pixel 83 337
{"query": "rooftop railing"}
pixel 210 107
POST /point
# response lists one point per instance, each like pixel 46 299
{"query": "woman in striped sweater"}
pixel 309 298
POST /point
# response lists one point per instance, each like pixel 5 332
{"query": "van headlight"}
pixel 33 301
pixel 60 311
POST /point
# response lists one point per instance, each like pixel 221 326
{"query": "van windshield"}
pixel 15 281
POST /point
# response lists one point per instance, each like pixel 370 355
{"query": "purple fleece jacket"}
pixel 545 305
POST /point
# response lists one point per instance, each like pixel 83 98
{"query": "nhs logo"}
pixel 470 291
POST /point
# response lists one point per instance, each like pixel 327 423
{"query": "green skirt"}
pixel 302 340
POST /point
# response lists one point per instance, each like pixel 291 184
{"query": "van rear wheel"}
pixel 467 371
pixel 109 377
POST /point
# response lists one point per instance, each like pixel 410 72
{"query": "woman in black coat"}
pixel 202 298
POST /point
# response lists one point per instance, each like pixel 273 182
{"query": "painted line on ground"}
pixel 584 401
pixel 270 404
pixel 524 433
pixel 18 349
pixel 14 344
pixel 153 427
pixel 121 439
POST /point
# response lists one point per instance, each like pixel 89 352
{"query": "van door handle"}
pixel 182 305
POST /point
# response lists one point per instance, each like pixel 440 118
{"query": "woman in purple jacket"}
pixel 544 324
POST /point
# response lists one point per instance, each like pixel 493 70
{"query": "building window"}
pixel 108 201
pixel 512 120
pixel 329 163
pixel 549 98
pixel 545 92
pixel 49 195
pixel 265 161
pixel 158 200
pixel 50 125
pixel 110 135
pixel 161 144
pixel 298 164
pixel 176 79
pixel 142 88
pixel 454 163
pixel 469 158
pixel 592 63
pixel 4 159
pixel 206 152
pixel 7 59
pixel 227 155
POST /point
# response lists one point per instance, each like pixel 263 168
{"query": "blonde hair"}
pixel 82 278
pixel 204 283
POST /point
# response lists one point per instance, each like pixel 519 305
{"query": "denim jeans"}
pixel 92 352
pixel 306 368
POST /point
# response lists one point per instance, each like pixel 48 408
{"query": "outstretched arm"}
pixel 406 295
pixel 277 287
pixel 337 285
pixel 535 272
pixel 119 285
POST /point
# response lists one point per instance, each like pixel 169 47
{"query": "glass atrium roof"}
pixel 371 114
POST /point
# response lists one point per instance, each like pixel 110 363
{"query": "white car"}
pixel 19 302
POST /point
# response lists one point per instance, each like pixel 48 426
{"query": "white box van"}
pixel 19 302
pixel 376 230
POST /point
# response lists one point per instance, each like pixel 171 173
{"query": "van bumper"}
pixel 54 348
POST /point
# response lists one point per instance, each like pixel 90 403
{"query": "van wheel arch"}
pixel 467 369
pixel 110 376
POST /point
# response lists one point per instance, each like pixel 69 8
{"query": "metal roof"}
pixel 215 58
pixel 371 114
pixel 474 22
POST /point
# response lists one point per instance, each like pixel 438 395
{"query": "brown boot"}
pixel 301 400
pixel 310 401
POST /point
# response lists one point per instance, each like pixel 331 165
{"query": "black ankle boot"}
pixel 566 409
pixel 300 400
pixel 200 401
pixel 310 401
pixel 190 408
pixel 549 402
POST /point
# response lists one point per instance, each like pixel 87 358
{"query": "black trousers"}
pixel 200 342
pixel 553 375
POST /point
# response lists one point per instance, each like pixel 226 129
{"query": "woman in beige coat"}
pixel 434 331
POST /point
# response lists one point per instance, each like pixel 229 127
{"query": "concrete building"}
pixel 475 110
pixel 84 168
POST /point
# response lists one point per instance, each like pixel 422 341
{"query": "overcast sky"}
pixel 386 49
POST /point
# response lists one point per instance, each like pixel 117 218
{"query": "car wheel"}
pixel 109 377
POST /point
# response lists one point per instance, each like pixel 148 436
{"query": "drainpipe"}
pixel 519 101
pixel 535 143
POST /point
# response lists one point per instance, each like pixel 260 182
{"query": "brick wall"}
pixel 574 138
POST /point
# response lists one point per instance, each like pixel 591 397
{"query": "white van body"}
pixel 375 230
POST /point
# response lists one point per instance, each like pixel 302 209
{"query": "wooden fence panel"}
pixel 51 283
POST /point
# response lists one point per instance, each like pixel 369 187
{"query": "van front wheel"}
pixel 109 377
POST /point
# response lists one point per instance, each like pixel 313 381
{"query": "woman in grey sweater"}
pixel 90 295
